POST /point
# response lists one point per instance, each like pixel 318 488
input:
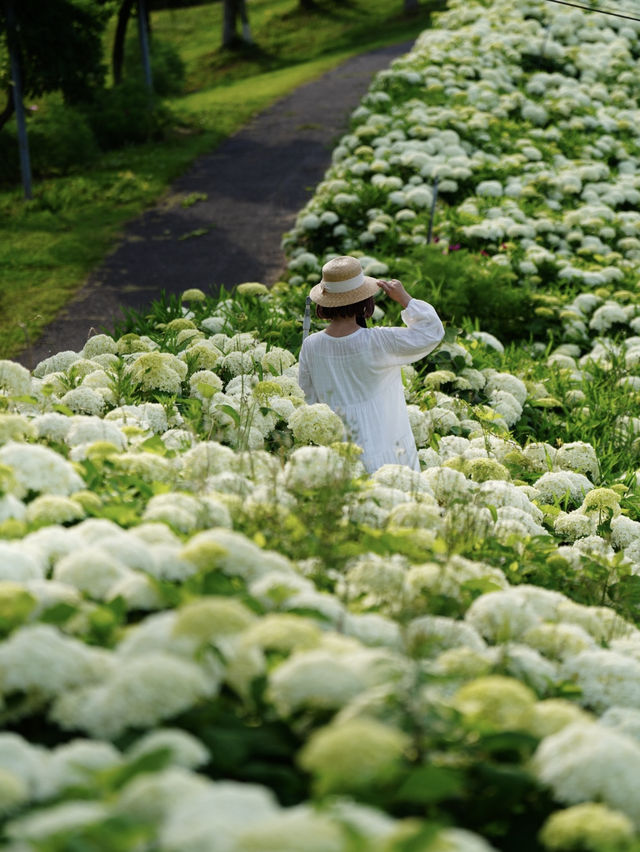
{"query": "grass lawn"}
pixel 49 244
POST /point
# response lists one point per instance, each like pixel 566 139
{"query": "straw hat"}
pixel 343 283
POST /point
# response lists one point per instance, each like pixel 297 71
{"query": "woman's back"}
pixel 359 377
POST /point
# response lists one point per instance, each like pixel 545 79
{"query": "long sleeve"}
pixel 304 378
pixel 422 334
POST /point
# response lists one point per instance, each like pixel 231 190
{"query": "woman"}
pixel 355 370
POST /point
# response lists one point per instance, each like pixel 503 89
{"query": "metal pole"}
pixel 433 208
pixel 144 43
pixel 306 323
pixel 16 80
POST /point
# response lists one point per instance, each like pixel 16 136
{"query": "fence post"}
pixel 433 208
pixel 144 43
pixel 16 80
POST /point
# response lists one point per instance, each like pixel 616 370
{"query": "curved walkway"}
pixel 256 182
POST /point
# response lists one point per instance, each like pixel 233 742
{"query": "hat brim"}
pixel 323 297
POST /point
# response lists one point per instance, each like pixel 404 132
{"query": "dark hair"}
pixel 363 309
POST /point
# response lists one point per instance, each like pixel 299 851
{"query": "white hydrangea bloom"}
pixel 83 400
pixel 90 570
pixel 38 658
pixel 140 692
pixel 39 469
pixel 579 457
pixel 316 424
pixel 234 554
pixel 212 817
pixel 556 485
pixel 148 415
pixel 18 564
pixel 15 380
pixel 70 763
pixel 86 430
pixel 45 823
pixel 509 614
pixel 315 467
pixel 586 762
pixel 60 362
pixel 606 678
pixel 186 750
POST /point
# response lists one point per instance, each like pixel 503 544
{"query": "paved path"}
pixel 256 182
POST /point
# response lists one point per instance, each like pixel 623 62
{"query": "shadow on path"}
pixel 255 182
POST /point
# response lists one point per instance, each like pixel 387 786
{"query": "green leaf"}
pixel 63 409
pixel 123 515
pixel 230 410
pixel 152 761
pixel 431 784
pixel 154 444
pixel 627 590
pixel 518 741
pixel 58 613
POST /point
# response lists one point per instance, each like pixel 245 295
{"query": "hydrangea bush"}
pixel 218 633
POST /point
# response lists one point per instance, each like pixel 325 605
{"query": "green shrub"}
pixel 60 140
pixel 167 68
pixel 463 284
pixel 126 114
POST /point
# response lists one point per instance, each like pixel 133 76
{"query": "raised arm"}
pixel 423 331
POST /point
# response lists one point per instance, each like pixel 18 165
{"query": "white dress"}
pixel 359 377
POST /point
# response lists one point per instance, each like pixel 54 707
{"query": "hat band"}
pixel 343 286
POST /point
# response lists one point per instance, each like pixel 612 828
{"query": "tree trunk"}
pixel 411 7
pixel 117 56
pixel 234 10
